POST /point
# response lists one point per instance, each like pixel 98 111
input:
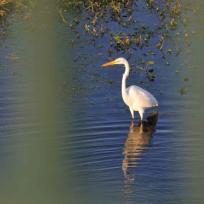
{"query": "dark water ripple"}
pixel 97 143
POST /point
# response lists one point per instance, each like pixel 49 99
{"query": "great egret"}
pixel 136 98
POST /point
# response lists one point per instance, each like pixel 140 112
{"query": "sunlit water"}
pixel 66 136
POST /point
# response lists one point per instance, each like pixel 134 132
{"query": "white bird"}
pixel 136 98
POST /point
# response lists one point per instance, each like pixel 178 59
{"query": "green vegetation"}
pixel 97 14
pixel 5 7
pixel 126 26
pixel 145 26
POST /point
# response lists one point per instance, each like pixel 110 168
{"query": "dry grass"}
pixel 5 7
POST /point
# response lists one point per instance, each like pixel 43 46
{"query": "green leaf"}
pixel 151 62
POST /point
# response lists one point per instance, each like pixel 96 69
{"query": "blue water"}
pixel 66 135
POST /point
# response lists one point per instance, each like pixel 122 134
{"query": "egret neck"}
pixel 124 78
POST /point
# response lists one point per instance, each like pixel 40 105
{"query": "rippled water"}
pixel 66 136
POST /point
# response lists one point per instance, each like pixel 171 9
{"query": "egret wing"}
pixel 141 98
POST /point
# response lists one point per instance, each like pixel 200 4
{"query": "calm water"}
pixel 66 136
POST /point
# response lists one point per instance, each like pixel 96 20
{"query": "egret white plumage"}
pixel 135 97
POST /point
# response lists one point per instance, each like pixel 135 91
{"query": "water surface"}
pixel 66 136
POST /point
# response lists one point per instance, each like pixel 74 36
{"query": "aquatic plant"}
pixel 4 7
pixel 139 29
pixel 125 27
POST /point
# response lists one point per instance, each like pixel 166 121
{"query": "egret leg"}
pixel 141 127
pixel 132 113
pixel 132 124
pixel 141 112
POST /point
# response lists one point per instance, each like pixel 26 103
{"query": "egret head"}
pixel 120 60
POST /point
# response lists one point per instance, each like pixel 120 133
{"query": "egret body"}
pixel 136 98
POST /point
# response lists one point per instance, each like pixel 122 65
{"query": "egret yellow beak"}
pixel 108 64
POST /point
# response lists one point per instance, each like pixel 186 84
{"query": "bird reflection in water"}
pixel 139 137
